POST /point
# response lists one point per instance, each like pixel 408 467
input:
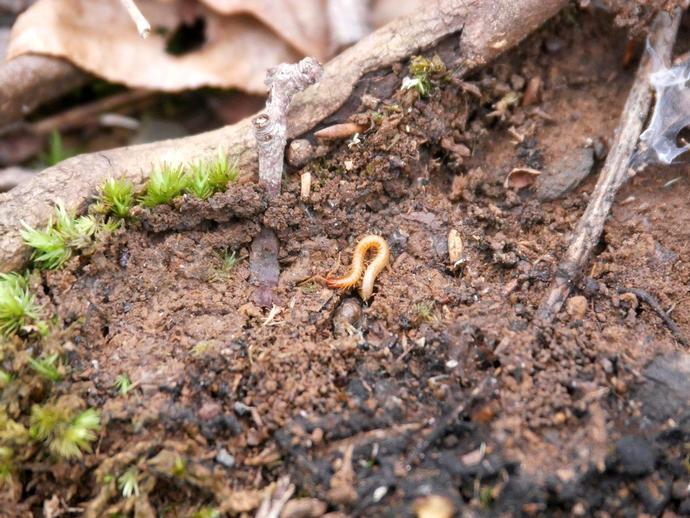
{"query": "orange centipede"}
pixel 378 263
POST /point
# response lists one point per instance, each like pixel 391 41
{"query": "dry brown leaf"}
pixel 302 23
pixel 243 39
pixel 99 36
pixel 521 177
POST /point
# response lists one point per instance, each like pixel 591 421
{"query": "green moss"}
pixel 128 483
pixel 116 197
pixel 66 432
pixel 17 305
pixel 123 384
pixel 50 249
pixel 422 71
pixel 47 367
pixel 165 184
pixel 64 234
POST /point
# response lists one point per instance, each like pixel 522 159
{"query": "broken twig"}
pixel 270 127
pixel 654 305
pixel 143 25
pixel 615 172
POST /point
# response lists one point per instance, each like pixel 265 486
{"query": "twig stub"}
pixel 270 127
pixel 143 25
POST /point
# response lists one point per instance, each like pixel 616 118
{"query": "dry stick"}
pixel 270 127
pixel 656 307
pixel 89 112
pixel 273 504
pixel 143 25
pixel 615 172
pixel 485 29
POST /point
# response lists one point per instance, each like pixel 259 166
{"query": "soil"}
pixel 443 384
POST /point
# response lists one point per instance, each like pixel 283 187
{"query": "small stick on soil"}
pixel 270 131
pixel 615 172
pixel 273 505
pixel 143 25
pixel 85 113
pixel 651 301
pixel 437 433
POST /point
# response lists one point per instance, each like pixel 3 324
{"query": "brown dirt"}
pixel 443 384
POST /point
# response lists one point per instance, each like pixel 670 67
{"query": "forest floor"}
pixel 443 384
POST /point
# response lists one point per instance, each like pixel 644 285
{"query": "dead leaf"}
pixel 301 23
pixel 521 177
pixel 242 39
pixel 99 36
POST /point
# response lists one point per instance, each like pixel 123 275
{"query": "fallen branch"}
pixel 615 172
pixel 484 29
pixel 28 81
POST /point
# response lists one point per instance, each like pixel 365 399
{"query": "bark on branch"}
pixel 486 28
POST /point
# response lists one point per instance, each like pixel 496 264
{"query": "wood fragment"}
pixel 305 186
pixel 477 25
pixel 615 172
pixel 339 131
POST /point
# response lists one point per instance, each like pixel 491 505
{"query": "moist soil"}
pixel 443 383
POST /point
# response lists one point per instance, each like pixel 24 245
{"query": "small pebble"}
pixel 576 307
pixel 224 458
pixel 208 411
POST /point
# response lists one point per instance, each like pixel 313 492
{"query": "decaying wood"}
pixel 485 29
pixel 615 172
pixel 28 81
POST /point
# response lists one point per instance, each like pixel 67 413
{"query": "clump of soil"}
pixel 443 385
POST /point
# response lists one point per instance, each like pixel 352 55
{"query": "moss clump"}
pixel 165 184
pixel 17 305
pixel 116 198
pixel 54 245
pixel 422 73
pixel 67 432
pixel 206 179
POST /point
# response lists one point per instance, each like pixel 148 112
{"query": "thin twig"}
pixel 81 115
pixel 615 172
pixel 656 307
pixel 272 505
pixel 143 25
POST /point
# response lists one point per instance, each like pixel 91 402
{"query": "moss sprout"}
pixel 165 183
pixel 66 432
pixel 17 305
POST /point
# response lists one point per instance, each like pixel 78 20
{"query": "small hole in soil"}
pixel 600 246
pixel 104 331
pixel 186 38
